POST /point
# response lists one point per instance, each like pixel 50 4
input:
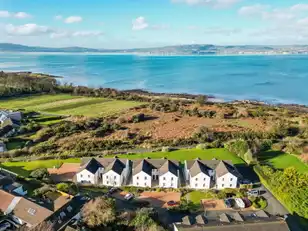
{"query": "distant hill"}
pixel 194 49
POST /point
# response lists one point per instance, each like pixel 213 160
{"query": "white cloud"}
pixel 86 33
pixel 5 14
pixel 73 19
pixel 140 23
pixel 27 30
pixel 303 22
pixel 252 10
pixel 20 15
pixel 211 3
pixel 299 7
pixel 160 27
pixel 58 17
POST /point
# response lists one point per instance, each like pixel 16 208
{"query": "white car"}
pixel 240 203
pixel 128 196
pixel 253 192
pixel 5 226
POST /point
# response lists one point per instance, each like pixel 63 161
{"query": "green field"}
pixel 280 160
pixel 189 154
pixel 25 168
pixel 64 104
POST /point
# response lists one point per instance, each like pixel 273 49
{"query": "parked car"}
pixel 171 203
pixel 113 190
pixel 247 202
pixel 253 193
pixel 129 196
pixel 240 203
pixel 4 226
pixel 228 203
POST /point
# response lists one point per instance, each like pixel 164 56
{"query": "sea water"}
pixel 273 79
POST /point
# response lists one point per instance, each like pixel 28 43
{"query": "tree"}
pixel 144 220
pixel 201 99
pixel 99 212
pixel 39 173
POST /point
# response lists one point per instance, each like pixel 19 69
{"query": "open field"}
pixel 25 168
pixel 174 125
pixel 280 160
pixel 63 104
pixel 190 154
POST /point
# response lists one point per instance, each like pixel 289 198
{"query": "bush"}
pixel 202 146
pixel 64 187
pixel 39 173
pixel 166 149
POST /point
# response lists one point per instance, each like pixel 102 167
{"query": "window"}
pixel 223 179
pixel 107 182
pixel 137 183
pixel 231 179
pixel 203 185
pixel 164 178
pixel 145 184
pixel 222 185
pixel 204 179
pixel 164 184
pixel 88 176
pixel 137 177
pixel 171 184
pixel 196 185
pixel 81 176
pixel 106 176
pixel 230 185
pixel 171 178
pixel 115 177
pixel 196 179
pixel 145 178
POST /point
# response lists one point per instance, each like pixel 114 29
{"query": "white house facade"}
pixel 226 181
pixel 142 179
pixel 168 180
pixel 200 181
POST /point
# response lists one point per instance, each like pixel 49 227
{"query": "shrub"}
pixel 166 149
pixel 64 187
pixel 39 173
pixel 202 146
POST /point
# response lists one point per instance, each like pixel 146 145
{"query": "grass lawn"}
pixel 190 154
pixel 15 144
pixel 197 196
pixel 280 160
pixel 25 168
pixel 63 104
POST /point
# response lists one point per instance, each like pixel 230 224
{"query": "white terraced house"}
pixel 208 174
pixel 106 171
pixel 155 173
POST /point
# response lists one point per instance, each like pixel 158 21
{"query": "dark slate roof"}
pixel 92 166
pixel 143 166
pixel 5 130
pixel 116 166
pixel 13 186
pixel 169 166
pixel 223 168
pixel 198 167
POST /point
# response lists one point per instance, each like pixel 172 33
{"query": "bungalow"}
pixel 22 210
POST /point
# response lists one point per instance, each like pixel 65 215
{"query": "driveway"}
pixel 160 199
pixel 274 207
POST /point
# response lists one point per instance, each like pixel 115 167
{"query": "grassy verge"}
pixel 197 196
pixel 281 160
pixel 25 168
pixel 189 154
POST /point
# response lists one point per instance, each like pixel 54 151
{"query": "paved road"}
pixel 274 206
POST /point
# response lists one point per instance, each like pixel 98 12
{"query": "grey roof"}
pixel 223 168
pixel 187 220
pixel 261 214
pixel 116 166
pixel 200 220
pixel 198 167
pixel 237 217
pixel 169 166
pixel 224 218
pixel 142 166
pixel 210 164
pixel 92 166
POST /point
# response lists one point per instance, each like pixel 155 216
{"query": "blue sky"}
pixel 149 23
